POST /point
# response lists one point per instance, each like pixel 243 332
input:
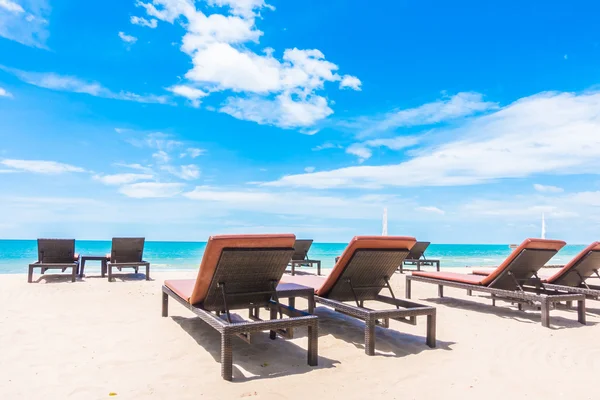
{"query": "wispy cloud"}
pixel 40 167
pixel 547 188
pixel 143 190
pixel 4 92
pixel 127 38
pixel 121 179
pixel 192 152
pixel 25 25
pixel 138 167
pixel 186 172
pixel 431 209
pixel 363 150
pixel 191 93
pixel 152 23
pixel 326 146
pixel 449 108
pixel 268 90
pixel 65 83
pixel 549 133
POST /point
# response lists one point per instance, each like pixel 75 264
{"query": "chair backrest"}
pixel 246 266
pixel 581 267
pixel 301 248
pixel 523 263
pixel 417 250
pixel 364 265
pixel 56 251
pixel 127 250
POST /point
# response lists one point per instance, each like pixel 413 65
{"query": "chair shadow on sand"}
pixel 56 278
pixel 264 358
pixel 389 342
pixel 504 309
pixel 121 277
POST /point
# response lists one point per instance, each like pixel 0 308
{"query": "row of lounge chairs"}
pixel 60 254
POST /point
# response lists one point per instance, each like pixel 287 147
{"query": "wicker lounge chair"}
pixel 416 258
pixel 242 272
pixel 127 253
pixel 300 256
pixel 572 277
pixel 515 280
pixel 55 254
pixel 361 273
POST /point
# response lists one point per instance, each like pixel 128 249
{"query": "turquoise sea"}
pixel 15 255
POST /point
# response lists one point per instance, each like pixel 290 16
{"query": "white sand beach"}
pixel 91 339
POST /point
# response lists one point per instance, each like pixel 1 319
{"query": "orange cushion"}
pixel 452 276
pixel 361 243
pixel 183 287
pixel 565 270
pixel 537 244
pixel 215 246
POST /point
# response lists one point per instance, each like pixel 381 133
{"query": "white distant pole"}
pixel 543 227
pixel 384 223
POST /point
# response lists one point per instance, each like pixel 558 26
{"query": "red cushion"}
pixel 452 277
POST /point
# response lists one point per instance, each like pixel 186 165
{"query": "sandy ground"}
pixel 86 340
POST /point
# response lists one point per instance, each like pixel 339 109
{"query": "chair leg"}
pixel 165 304
pixel 148 272
pixel 74 273
pixel 545 309
pixel 226 357
pixel 440 290
pixel 103 268
pixel 313 345
pixel 581 311
pixel 311 304
pixel 273 334
pixel 318 267
pixel 431 329
pixel 370 336
pixel 109 273
pixel 408 283
pixel 30 274
pixel 136 269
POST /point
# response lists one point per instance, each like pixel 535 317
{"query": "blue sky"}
pixel 176 119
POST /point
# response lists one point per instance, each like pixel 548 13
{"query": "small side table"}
pixel 290 291
pixel 295 263
pixel 103 261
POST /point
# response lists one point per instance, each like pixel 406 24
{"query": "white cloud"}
pixel 64 83
pixel 186 172
pixel 40 167
pixel 26 25
pixel 296 203
pixel 547 189
pixel 127 38
pixel 121 179
pixel 431 209
pixel 363 152
pixel 161 156
pixel 360 151
pixel 549 133
pixel 192 94
pixel 281 92
pixel 152 23
pixel 138 167
pixel 460 105
pixel 5 93
pixel 309 169
pixel 144 190
pixel 352 82
pixel 281 111
pixel 192 152
pixel 11 6
pixel 326 146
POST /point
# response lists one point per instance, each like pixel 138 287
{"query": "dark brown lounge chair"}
pixel 416 258
pixel 127 253
pixel 242 272
pixel 515 280
pixel 361 273
pixel 572 277
pixel 55 254
pixel 300 256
